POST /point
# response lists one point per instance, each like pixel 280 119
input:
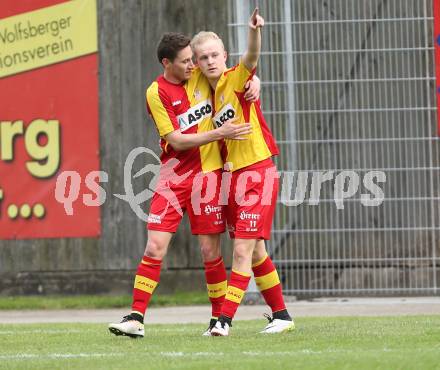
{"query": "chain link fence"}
pixel 349 88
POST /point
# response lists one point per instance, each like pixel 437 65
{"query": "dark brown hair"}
pixel 170 44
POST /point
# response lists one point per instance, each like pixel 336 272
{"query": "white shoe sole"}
pixel 118 332
pixel 285 330
pixel 217 334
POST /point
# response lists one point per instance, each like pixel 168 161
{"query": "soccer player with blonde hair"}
pixel 253 176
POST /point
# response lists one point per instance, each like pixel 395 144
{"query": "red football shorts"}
pixel 197 195
pixel 252 201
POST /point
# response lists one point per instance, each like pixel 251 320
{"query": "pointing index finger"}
pixel 254 14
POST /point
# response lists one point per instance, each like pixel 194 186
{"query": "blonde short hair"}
pixel 204 36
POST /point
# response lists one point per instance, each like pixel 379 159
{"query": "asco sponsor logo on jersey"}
pixel 194 115
pixel 223 115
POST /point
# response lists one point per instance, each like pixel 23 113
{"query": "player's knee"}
pixel 259 251
pixel 155 249
pixel 209 251
pixel 209 247
pixel 242 253
pixel 258 255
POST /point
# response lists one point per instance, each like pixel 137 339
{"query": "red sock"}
pixel 216 283
pixel 268 282
pixel 146 280
pixel 238 283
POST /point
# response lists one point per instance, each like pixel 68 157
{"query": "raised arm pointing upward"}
pixel 252 54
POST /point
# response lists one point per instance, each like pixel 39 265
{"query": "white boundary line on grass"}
pixel 77 331
pixel 42 331
pixel 284 353
pixel 248 353
pixel 31 356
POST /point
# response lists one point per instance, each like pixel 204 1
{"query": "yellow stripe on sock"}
pixel 245 274
pixel 217 290
pixel 258 263
pixel 267 281
pixel 144 284
pixel 150 263
pixel 234 294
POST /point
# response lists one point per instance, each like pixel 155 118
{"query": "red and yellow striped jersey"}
pixel 229 102
pixel 186 107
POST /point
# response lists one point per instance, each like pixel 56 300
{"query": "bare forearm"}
pixel 254 48
pixel 189 141
pixel 230 130
pixel 250 58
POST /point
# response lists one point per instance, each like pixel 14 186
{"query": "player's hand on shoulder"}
pixel 235 131
pixel 252 90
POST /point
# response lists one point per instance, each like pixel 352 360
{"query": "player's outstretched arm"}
pixel 250 57
pixel 229 130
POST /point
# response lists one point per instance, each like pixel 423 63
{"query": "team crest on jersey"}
pixel 222 99
pixel 227 112
pixel 197 94
pixel 194 115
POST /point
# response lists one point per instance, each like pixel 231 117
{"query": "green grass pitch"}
pixel 408 342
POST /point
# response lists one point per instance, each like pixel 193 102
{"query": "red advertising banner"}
pixel 48 116
pixel 437 55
